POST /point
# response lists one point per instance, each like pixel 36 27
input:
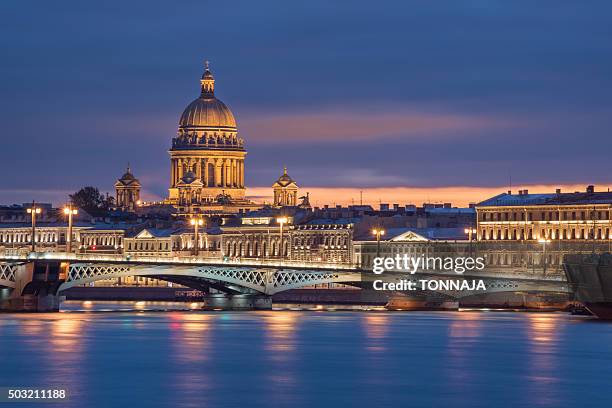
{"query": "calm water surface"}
pixel 310 359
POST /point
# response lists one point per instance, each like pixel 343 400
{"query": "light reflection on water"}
pixel 304 359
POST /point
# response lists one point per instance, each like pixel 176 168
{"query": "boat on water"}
pixel 590 280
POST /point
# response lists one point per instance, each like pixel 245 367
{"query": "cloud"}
pixel 364 124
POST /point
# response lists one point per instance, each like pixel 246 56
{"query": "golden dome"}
pixel 207 111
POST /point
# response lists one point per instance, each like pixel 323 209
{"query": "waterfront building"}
pixel 558 216
pixel 320 240
pixel 127 192
pixel 304 238
pixel 532 232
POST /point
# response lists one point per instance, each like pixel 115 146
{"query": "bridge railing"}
pixel 191 260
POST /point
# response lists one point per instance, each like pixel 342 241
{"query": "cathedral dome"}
pixel 207 111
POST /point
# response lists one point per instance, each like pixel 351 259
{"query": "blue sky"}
pixel 346 94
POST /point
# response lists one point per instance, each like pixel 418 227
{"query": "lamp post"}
pixel 470 233
pixel 544 241
pixel 69 211
pixel 378 232
pixel 281 221
pixel 33 211
pixel 196 222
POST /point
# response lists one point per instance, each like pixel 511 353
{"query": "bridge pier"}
pixel 35 289
pixel 222 301
pixel 421 301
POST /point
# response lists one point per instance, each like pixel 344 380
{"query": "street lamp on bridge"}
pixel 470 233
pixel 33 211
pixel 544 241
pixel 281 221
pixel 69 211
pixel 196 222
pixel 378 232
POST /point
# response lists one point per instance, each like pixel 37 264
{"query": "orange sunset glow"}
pixel 459 196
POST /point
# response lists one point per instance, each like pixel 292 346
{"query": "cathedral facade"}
pixel 207 156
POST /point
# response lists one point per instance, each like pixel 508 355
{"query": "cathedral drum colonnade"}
pixel 207 156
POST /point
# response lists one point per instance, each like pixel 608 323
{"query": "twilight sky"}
pixel 408 96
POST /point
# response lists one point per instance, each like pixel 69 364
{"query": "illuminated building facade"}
pixel 578 216
pixel 316 240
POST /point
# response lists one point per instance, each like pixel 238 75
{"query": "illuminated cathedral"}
pixel 207 163
pixel 207 157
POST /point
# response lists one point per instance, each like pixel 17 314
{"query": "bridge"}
pixel 43 276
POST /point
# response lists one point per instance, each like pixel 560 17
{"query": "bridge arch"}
pixel 238 279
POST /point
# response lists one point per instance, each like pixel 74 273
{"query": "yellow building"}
pixel 207 156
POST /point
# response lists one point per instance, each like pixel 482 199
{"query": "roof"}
pixel 152 233
pixel 284 180
pixel 128 179
pixel 419 234
pixel 576 198
pixel 438 211
pixel 332 221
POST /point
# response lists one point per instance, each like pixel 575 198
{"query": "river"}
pixel 108 357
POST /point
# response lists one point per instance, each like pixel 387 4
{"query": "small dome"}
pixel 285 179
pixel 128 178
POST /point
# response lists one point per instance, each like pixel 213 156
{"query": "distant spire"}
pixel 284 170
pixel 128 171
pixel 207 82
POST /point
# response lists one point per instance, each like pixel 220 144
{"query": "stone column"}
pixel 180 170
pixel 233 172
pixel 171 172
pixel 242 173
pixel 228 173
pixel 198 165
pixel 218 172
pixel 205 164
pixel 236 171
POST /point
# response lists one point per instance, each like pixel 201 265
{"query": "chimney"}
pixel 395 207
pixel 509 192
pixel 525 192
pixel 590 189
pixel 384 207
pixel 558 191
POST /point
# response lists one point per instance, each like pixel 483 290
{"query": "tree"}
pixel 89 199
